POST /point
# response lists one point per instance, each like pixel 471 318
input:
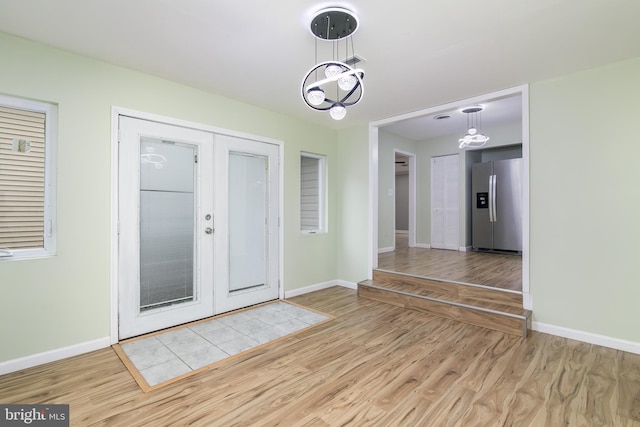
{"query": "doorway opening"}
pixel 515 101
pixel 401 194
pixel 403 206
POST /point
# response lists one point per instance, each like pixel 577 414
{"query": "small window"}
pixel 312 193
pixel 27 199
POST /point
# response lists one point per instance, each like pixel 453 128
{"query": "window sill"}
pixel 19 255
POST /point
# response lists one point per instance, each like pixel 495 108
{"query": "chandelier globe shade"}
pixel 332 70
pixel 315 96
pixel 337 111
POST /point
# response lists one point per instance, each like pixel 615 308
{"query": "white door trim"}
pixel 116 112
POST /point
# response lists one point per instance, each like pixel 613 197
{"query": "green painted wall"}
pixel 585 200
pixel 584 195
pixel 55 302
pixel 353 204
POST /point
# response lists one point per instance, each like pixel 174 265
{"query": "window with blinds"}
pixel 311 193
pixel 23 178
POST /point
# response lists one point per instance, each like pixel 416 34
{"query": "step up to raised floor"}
pixel 483 306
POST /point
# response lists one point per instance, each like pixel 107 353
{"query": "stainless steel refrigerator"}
pixel 496 189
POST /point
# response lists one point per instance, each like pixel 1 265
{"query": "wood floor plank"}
pixel 567 401
pixel 446 290
pixel 489 269
pixel 600 388
pixel 495 402
pixel 373 365
pixel 629 389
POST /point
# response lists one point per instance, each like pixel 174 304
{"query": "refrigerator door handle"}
pixel 490 198
pixel 493 198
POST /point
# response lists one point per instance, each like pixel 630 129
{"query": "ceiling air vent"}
pixel 354 60
pixel 442 117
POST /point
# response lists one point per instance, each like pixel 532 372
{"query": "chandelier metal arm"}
pixel 343 100
pixel 358 73
pixel 351 97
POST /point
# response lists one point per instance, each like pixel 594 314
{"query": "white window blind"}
pixel 311 193
pixel 22 177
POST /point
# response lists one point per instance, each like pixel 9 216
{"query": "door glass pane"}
pixel 167 223
pixel 248 201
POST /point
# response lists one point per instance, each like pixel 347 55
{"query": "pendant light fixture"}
pixel 473 138
pixel 333 85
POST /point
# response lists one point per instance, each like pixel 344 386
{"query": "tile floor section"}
pixel 162 357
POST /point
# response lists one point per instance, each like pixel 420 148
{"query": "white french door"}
pixel 192 243
pixel 164 279
pixel 247 204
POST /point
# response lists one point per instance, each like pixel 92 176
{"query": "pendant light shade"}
pixel 333 85
pixel 347 82
pixel 332 70
pixel 337 111
pixel 473 138
pixel 315 96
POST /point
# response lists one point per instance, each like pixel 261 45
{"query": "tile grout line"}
pixel 292 312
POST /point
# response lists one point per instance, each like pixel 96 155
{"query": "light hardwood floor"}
pixel 489 269
pixel 375 364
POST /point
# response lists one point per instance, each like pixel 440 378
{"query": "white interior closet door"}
pixel 246 218
pixel 445 202
pixel 165 207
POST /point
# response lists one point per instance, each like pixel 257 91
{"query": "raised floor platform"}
pixel 492 308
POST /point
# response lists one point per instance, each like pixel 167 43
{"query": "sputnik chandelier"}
pixel 473 138
pixel 333 85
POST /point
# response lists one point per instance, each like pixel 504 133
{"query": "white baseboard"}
pixel 465 248
pixel 387 249
pixel 319 286
pixel 588 337
pixel 349 285
pixel 53 355
pixel 423 245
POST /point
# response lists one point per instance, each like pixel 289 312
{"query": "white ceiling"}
pixel 418 54
pixel 495 112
